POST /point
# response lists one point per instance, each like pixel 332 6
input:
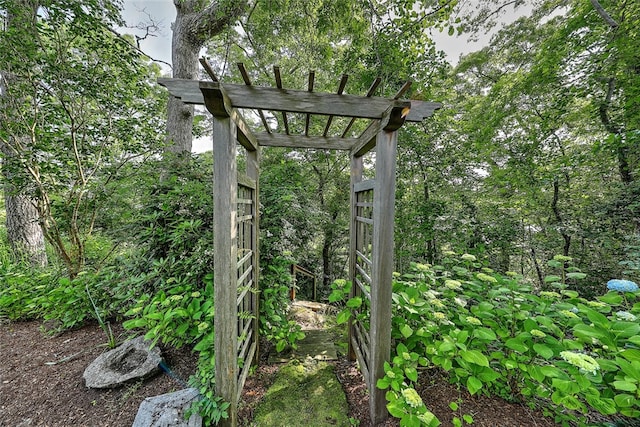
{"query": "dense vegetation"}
pixel 531 170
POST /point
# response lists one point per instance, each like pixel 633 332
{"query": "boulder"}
pixel 132 360
pixel 167 410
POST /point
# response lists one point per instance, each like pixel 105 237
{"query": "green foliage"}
pixel 493 335
pixel 274 306
pixel 178 315
pixel 211 407
pixel 73 96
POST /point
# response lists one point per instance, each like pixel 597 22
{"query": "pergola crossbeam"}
pixel 296 101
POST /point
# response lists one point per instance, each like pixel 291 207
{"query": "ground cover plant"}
pixel 495 335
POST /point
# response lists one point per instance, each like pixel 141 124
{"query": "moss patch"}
pixel 304 394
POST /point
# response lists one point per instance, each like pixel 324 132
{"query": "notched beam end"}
pixel 215 99
pixel 397 116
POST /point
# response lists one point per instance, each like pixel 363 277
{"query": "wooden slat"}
pixel 243 294
pixel 343 83
pixel 367 185
pixel 369 94
pixel 312 77
pixel 364 258
pixel 363 289
pixel 405 87
pixel 244 259
pixel 245 218
pixel 296 101
pixel 356 170
pixel 245 369
pixel 253 172
pixel 364 220
pixel 207 67
pixel 245 181
pixel 247 81
pixel 364 204
pixel 363 274
pixel 301 141
pixel 276 72
pixel 244 275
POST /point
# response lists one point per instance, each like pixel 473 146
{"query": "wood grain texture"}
pixel 294 101
pixel 224 263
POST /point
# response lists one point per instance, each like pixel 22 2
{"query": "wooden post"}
pixel 382 268
pixel 356 176
pixel 253 171
pixel 225 323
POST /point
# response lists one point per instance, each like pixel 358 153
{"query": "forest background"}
pixel 534 155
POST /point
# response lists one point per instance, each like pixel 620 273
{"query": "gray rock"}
pixel 167 410
pixel 132 360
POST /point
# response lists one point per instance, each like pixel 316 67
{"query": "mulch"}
pixel 41 385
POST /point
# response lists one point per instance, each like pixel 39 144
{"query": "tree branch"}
pixel 603 14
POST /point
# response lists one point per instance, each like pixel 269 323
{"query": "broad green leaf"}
pixel 484 334
pixel 406 331
pixel 543 351
pixel 354 302
pixel 411 373
pixel 625 386
pixel 474 385
pixel 624 400
pixel 475 356
pixel 516 345
pixel 613 298
pixel 343 316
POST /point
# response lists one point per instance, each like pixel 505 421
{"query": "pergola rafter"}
pixel 236 215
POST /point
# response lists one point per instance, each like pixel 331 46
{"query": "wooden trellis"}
pixel 236 216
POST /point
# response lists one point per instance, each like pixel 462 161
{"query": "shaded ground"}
pixel 35 392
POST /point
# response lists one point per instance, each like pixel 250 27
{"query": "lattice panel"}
pixel 246 280
pixel 362 277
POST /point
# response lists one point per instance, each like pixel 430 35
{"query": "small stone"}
pixel 132 360
pixel 167 410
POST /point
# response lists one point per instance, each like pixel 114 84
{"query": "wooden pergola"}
pixel 236 219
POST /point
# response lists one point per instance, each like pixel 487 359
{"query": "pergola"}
pixel 235 212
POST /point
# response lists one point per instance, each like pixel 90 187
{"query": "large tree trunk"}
pixel 196 22
pixel 23 227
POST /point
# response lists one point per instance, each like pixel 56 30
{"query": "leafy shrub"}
pixel 274 306
pixel 180 315
pixel 493 335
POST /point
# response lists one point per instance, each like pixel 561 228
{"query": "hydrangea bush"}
pixel 494 335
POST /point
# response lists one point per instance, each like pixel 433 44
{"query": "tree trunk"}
pixel 23 227
pixel 194 25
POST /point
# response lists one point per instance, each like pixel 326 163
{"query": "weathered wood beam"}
pixel 224 263
pixel 297 101
pixel 301 141
pixel 392 119
pixel 382 263
pixel 215 98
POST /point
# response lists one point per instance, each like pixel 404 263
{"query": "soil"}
pixel 41 385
